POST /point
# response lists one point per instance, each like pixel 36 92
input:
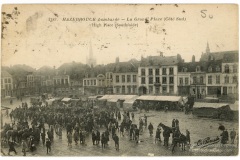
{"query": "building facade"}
pixel 6 84
pixel 125 83
pixel 157 75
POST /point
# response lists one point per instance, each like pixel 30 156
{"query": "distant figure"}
pixel 69 137
pixel 233 135
pixel 11 147
pixel 150 128
pixel 48 145
pixel 188 136
pixel 132 114
pixel 158 135
pixel 116 140
pixel 24 147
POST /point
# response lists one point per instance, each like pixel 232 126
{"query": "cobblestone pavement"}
pixel 198 127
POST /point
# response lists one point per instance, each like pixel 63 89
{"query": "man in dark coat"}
pixel 48 145
pixel 150 128
pixel 11 147
pixel 116 140
pixel 93 137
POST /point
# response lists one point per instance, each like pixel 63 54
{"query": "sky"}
pixel 31 38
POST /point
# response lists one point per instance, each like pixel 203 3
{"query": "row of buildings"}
pixel 215 74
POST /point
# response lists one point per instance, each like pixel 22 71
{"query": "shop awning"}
pixel 4 108
pixel 112 100
pixel 209 105
pixel 235 106
pixel 160 98
pixel 92 97
pixel 66 99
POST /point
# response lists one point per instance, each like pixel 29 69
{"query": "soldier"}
pixel 150 128
pixel 48 145
pixel 232 135
pixel 116 140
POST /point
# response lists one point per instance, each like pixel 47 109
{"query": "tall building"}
pixel 6 84
pixel 91 61
pixel 157 75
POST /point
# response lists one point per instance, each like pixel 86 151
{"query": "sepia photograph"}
pixel 119 80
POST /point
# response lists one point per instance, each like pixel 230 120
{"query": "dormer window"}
pixel 209 69
pixel 198 69
pixel 226 68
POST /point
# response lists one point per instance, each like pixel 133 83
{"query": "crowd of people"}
pixel 32 124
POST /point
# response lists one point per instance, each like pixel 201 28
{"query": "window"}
pixel 194 80
pixel 66 81
pixel 180 80
pixel 171 89
pixel 235 68
pixel 171 80
pixel 201 80
pixel 218 69
pixel 210 69
pixel 198 69
pixel 10 87
pixel 143 80
pixel 117 79
pixel 164 80
pixel 157 80
pixel 235 79
pixel 88 82
pixel 164 71
pixel 164 89
pixel 95 82
pixel 186 80
pixel 217 79
pixel 84 82
pixel 150 80
pixel 226 68
pixel 129 89
pixel 9 80
pixel 171 71
pixel 123 89
pixel 150 71
pixel 157 71
pixel 5 80
pixel 209 79
pixel 123 78
pixel 117 90
pixel 128 78
pixel 6 86
pixel 226 79
pixel 134 78
pixel 134 89
pixel 150 89
pixel 143 72
pixel 91 82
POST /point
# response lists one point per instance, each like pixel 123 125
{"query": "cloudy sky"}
pixel 31 39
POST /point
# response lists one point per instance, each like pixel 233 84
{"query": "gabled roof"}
pixel 5 74
pixel 159 61
pixel 229 56
pixel 204 65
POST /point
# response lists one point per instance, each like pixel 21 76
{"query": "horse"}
pixel 181 140
pixel 164 127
